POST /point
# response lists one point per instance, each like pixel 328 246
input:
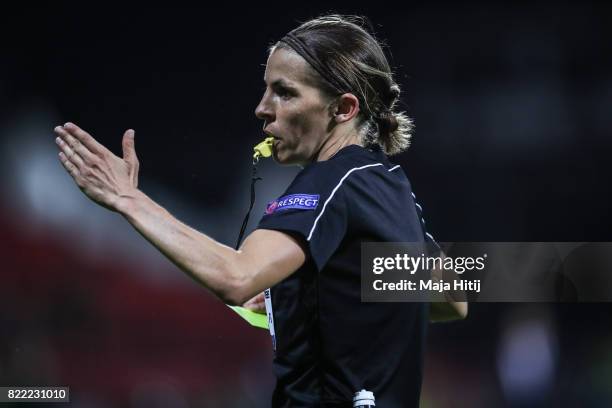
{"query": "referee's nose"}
pixel 264 110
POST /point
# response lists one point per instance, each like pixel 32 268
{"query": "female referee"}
pixel 329 104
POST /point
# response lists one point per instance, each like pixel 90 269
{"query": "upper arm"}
pixel 307 221
pixel 265 258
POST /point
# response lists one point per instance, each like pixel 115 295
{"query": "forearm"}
pixel 204 259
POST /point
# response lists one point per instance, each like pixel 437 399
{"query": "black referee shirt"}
pixel 329 345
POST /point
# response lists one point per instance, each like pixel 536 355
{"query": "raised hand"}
pixel 101 176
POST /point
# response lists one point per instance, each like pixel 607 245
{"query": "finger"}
pixel 251 303
pixel 256 304
pixel 74 144
pixel 129 149
pixel 257 298
pixel 84 137
pixel 256 307
pixel 69 153
pixel 129 155
pixel 70 167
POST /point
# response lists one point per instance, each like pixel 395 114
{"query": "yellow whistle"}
pixel 263 149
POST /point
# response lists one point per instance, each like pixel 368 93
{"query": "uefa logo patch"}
pixel 293 202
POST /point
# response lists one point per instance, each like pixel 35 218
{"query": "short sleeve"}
pixel 312 210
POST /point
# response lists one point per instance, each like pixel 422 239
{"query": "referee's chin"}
pixel 286 160
pixel 276 158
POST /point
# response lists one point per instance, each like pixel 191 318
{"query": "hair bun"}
pixel 393 123
pixel 387 123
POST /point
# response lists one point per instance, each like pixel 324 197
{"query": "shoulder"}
pixel 329 175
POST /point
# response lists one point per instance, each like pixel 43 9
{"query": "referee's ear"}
pixel 347 107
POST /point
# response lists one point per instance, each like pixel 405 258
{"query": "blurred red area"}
pixel 102 329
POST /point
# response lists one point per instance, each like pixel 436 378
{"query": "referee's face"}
pixel 294 110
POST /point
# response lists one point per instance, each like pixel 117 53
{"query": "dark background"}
pixel 513 112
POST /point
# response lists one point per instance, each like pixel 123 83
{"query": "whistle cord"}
pixel 245 222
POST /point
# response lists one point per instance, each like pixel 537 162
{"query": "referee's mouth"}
pixel 270 134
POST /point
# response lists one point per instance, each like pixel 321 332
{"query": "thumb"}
pixel 129 151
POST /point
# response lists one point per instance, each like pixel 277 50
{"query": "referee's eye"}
pixel 283 92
